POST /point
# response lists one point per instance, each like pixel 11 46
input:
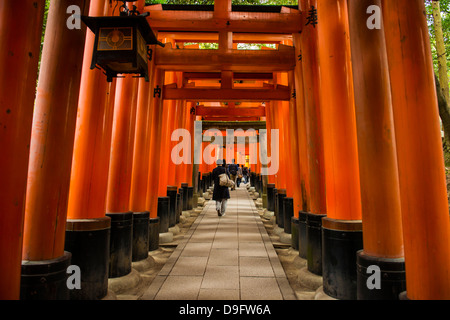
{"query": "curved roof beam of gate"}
pixel 285 22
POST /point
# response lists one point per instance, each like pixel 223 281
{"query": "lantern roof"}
pixel 139 21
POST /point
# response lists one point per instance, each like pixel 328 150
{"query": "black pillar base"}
pixel 275 203
pixel 270 197
pixel 280 211
pixel 302 241
pixel 88 241
pixel 184 187
pixel 288 212
pixel 163 214
pixel 121 244
pixel 179 207
pixel 392 277
pixel 294 233
pixel 190 201
pixel 204 183
pixel 46 279
pixel 140 236
pixel 153 234
pixel 314 242
pixel 172 194
pixel 340 242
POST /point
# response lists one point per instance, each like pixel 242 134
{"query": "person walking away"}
pixel 239 176
pixel 245 174
pixel 221 194
pixel 232 170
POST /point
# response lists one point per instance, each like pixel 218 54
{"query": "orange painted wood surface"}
pixel 258 22
pixel 20 38
pixel 122 143
pixel 423 192
pixel 338 112
pixel 91 152
pixel 191 60
pixel 294 146
pixel 301 127
pixel 164 152
pixel 189 125
pixel 380 194
pixel 141 149
pixel 310 61
pixel 156 105
pixel 52 136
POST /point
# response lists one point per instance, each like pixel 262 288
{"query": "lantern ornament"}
pixel 121 42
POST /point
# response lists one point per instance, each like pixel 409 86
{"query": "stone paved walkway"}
pixel 223 258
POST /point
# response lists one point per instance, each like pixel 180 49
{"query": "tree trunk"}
pixel 444 113
pixel 440 49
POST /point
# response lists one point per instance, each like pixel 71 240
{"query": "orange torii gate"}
pixel 347 101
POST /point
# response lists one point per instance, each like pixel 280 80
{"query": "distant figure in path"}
pixel 233 171
pixel 239 176
pixel 220 193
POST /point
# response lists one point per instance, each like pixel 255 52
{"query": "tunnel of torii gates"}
pixel 85 162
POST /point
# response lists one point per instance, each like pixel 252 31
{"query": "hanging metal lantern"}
pixel 121 43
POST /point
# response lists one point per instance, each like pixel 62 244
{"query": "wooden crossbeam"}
pixel 230 111
pixel 279 60
pixel 229 118
pixel 214 94
pixel 223 125
pixel 236 75
pixel 250 22
pixel 212 37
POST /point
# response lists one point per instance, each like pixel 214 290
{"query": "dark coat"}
pixel 233 168
pixel 219 192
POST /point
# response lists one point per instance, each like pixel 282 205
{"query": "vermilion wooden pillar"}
pixel 189 123
pixel 119 178
pixel 280 119
pixel 20 38
pixel 377 153
pixel 185 177
pixel 423 192
pixel 290 174
pixel 122 144
pixel 301 126
pixel 139 175
pixel 91 152
pixel 269 126
pixel 310 61
pixel 294 158
pixel 171 166
pixel 275 115
pixel 285 156
pixel 178 123
pixel 141 149
pixel 156 107
pixel 189 168
pixel 87 228
pixel 51 150
pixel 164 154
pixel 179 169
pixel 154 129
pixel 309 44
pixel 342 228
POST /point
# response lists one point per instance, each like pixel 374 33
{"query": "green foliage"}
pixel 47 6
pixel 445 14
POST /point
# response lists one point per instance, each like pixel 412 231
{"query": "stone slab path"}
pixel 223 258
